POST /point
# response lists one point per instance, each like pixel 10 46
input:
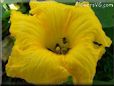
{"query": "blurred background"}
pixel 103 10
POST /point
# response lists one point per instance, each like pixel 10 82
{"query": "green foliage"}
pixel 105 14
pixel 7 45
pixel 96 82
pixel 24 7
pixel 105 66
pixel 69 81
pixel 66 1
pixel 5 20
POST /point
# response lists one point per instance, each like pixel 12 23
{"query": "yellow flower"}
pixel 54 42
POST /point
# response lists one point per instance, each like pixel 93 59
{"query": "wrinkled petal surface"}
pixel 48 23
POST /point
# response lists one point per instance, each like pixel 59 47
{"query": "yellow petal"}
pixel 36 66
pixel 73 22
pixel 26 29
pixel 84 23
pixel 54 17
pixel 82 61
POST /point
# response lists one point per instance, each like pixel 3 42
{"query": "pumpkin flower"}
pixel 56 41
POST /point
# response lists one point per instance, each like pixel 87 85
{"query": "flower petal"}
pixel 54 17
pixel 85 22
pixel 82 61
pixel 73 22
pixel 26 27
pixel 36 66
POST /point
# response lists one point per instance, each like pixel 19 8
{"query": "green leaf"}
pixel 69 81
pixel 24 7
pixel 15 1
pixel 96 82
pixel 5 27
pixel 105 14
pixel 104 70
pixel 103 9
pixel 7 45
pixel 109 33
pixel 67 1
pixel 6 15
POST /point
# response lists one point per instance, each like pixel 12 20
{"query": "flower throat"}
pixel 61 49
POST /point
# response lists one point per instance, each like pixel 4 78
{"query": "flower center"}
pixel 61 49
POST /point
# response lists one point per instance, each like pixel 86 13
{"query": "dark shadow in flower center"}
pixel 61 49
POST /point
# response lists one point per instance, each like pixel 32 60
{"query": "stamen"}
pixel 64 40
pixel 57 49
